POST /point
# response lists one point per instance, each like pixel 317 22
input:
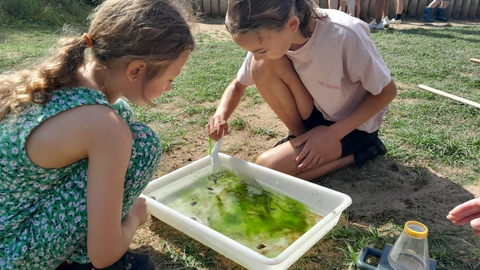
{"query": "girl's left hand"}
pixel 318 142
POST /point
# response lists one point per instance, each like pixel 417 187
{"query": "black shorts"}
pixel 354 142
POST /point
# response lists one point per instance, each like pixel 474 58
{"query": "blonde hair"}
pixel 252 15
pixel 155 31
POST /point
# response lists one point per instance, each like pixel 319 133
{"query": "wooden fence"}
pixel 412 9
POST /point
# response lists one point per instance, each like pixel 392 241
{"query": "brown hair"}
pixel 155 31
pixel 252 15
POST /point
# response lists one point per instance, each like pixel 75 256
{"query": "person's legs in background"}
pixel 377 23
pixel 385 20
pixel 398 12
pixel 343 6
pixel 332 4
pixel 350 4
pixel 427 14
pixel 357 8
pixel 441 11
pixel 351 7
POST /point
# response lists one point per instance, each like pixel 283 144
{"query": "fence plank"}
pixel 472 11
pixel 215 6
pixel 478 12
pixel 405 6
pixel 465 8
pixel 412 8
pixel 422 4
pixel 206 8
pixel 457 7
pixel 223 8
pixel 449 9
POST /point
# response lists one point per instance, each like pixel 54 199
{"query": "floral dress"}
pixel 43 216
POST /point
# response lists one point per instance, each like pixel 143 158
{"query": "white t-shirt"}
pixel 338 65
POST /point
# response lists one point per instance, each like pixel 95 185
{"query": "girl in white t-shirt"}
pixel 320 73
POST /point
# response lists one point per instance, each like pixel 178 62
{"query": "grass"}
pixel 44 12
pixel 421 129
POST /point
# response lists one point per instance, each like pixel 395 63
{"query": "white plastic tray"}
pixel 323 201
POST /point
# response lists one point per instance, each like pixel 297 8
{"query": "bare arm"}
pixel 95 132
pixel 370 106
pixel 229 101
pixel 314 152
pixel 109 149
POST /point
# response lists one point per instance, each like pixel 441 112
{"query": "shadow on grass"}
pixel 450 33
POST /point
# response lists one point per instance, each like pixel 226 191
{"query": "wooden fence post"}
pixel 472 10
pixel 223 8
pixel 465 8
pixel 449 9
pixel 412 9
pixel 478 12
pixel 422 5
pixel 206 8
pixel 457 9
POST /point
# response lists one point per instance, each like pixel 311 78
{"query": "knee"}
pixel 266 159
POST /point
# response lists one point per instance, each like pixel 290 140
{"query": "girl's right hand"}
pixel 467 212
pixel 216 127
pixel 139 211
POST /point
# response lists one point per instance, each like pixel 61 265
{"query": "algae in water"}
pixel 263 220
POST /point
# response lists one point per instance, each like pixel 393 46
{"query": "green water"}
pixel 265 221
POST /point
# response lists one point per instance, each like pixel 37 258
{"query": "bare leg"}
pixel 358 7
pixel 284 92
pixel 399 7
pixel 385 8
pixel 280 86
pixel 282 158
pixel 351 7
pixel 332 4
pixel 343 6
pixel 435 3
pixel 379 6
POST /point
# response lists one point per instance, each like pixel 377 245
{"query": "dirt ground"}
pixel 382 191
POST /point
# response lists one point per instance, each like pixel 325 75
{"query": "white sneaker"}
pixel 386 22
pixel 393 21
pixel 376 26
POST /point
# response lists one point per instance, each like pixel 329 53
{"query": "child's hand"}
pixel 139 211
pixel 468 212
pixel 216 127
pixel 317 142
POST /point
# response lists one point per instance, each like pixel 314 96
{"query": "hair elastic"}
pixel 88 40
